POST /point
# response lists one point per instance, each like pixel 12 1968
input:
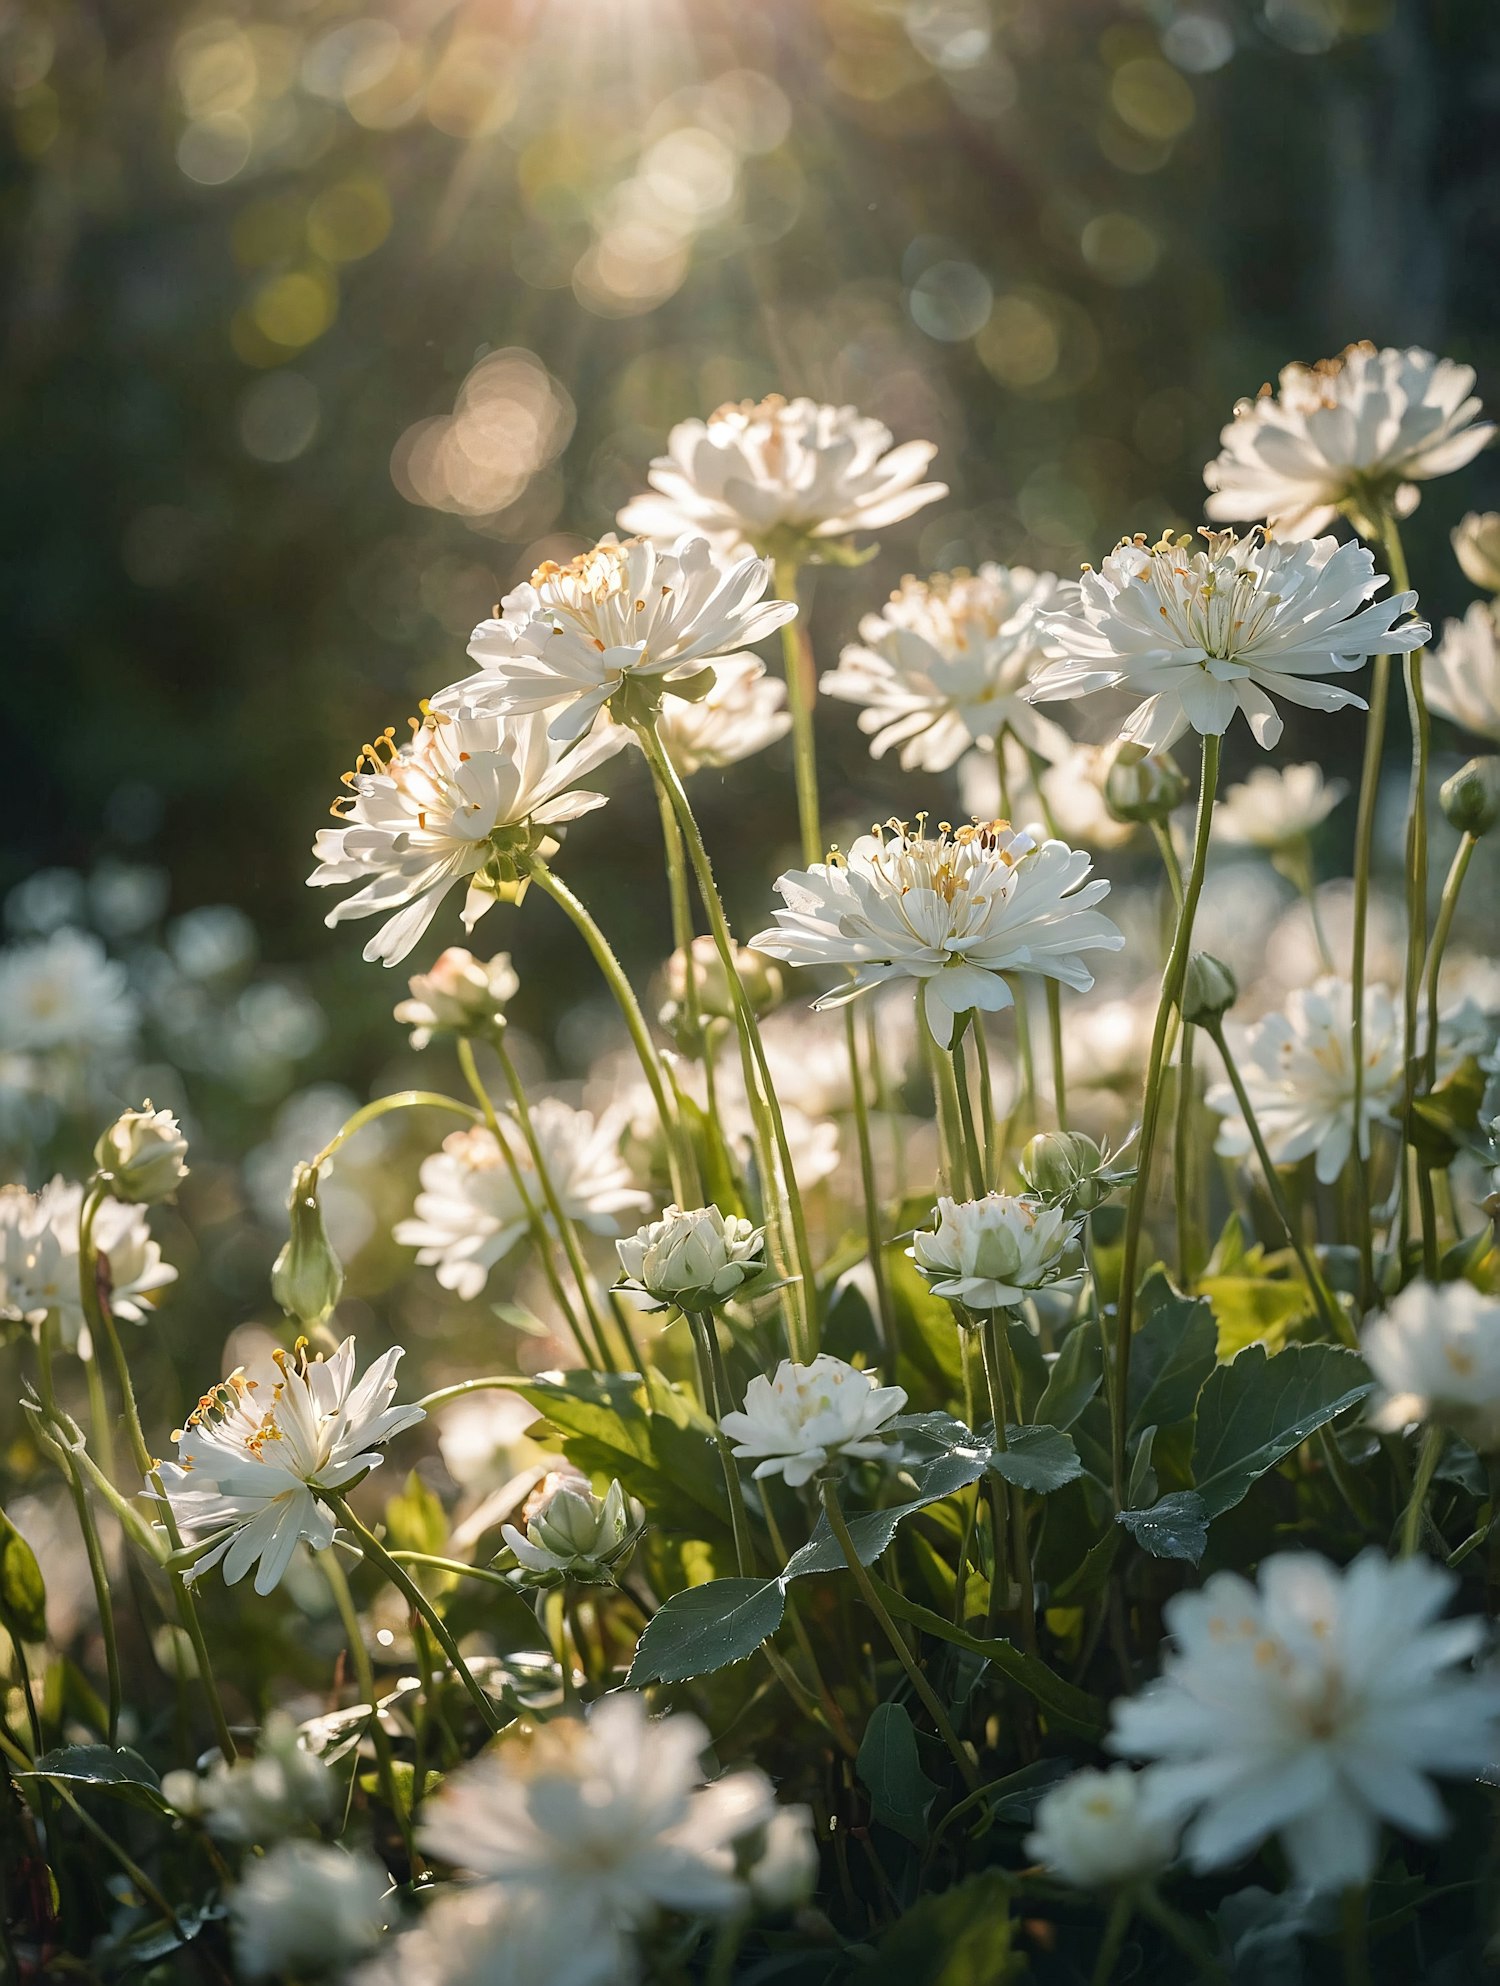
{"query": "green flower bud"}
pixel 1471 798
pixel 758 975
pixel 1055 1164
pixel 1476 546
pixel 307 1278
pixel 141 1156
pixel 1209 990
pixel 1142 786
pixel 573 1534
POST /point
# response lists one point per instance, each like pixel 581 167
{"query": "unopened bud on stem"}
pixel 307 1278
pixel 141 1156
pixel 1209 990
pixel 1142 786
pixel 1471 798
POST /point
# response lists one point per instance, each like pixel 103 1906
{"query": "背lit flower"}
pixel 1476 546
pixel 459 994
pixel 1311 1706
pixel 481 1935
pixel 1142 788
pixel 573 1534
pixel 39 1269
pixel 778 474
pixel 1277 805
pixel 785 1872
pixel 284 1787
pixel 1091 1832
pixel 955 911
pixel 1201 634
pixel 1354 434
pixel 258 1468
pixel 1435 1354
pixel 691 1259
pixel 805 1417
pixel 307 1907
pixel 741 714
pixel 759 979
pixel 942 666
pixel 1462 674
pixel 141 1156
pixel 64 992
pixel 990 1253
pixel 470 1211
pixel 132 1261
pixel 576 636
pixel 471 793
pixel 1067 796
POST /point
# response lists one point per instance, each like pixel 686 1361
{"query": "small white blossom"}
pixel 784 1874
pixel 259 1471
pixel 141 1155
pixel 1091 1832
pixel 1435 1353
pixel 39 1268
pixel 1476 546
pixel 955 911
pixel 691 1259
pixel 64 992
pixel 1069 793
pixel 1277 805
pixel 1311 1706
pixel 1348 434
pixel 1202 634
pixel 989 1253
pixel 459 994
pixel 307 1907
pixel 486 1936
pixel 571 1533
pixel 1462 674
pixel 775 470
pixel 282 1788
pixel 806 1417
pixel 942 666
pixel 136 1271
pixel 743 713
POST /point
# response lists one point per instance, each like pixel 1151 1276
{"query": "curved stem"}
pixel 1440 930
pixel 977 1185
pixel 1055 1033
pixel 1116 1924
pixel 364 1672
pixel 491 1382
pixel 1364 852
pixel 1428 1457
pixel 874 1244
pixel 1184 1170
pixel 995 1354
pixel 1162 834
pixel 801 690
pixel 398 1100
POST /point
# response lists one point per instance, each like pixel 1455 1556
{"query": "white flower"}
pixel 743 713
pixel 1354 432
pixel 142 1154
pixel 988 1253
pixel 806 1416
pixel 63 991
pixel 1277 805
pixel 1435 1352
pixel 692 1259
pixel 1462 674
pixel 603 1822
pixel 284 1787
pixel 484 1936
pixel 469 789
pixel 469 1211
pixel 1069 793
pixel 39 1269
pixel 778 470
pixel 575 636
pixel 259 1471
pixel 943 665
pixel 1476 546
pixel 1203 634
pixel 1312 1707
pixel 459 994
pixel 785 1873
pixel 1091 1831
pixel 307 1907
pixel 136 1271
pixel 953 910
pixel 571 1533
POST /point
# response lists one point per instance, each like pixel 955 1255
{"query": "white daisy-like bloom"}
pixel 459 995
pixel 285 1786
pixel 575 636
pixel 1435 1354
pixel 943 665
pixel 743 713
pixel 469 1212
pixel 1090 1831
pixel 1277 805
pixel 763 472
pixel 954 911
pixel 1311 1706
pixel 122 1237
pixel 1462 674
pixel 692 1258
pixel 1476 546
pixel 481 1935
pixel 1202 634
pixel 64 992
pixel 1068 793
pixel 307 1907
pixel 1355 432
pixel 604 1822
pixel 471 788
pixel 804 1418
pixel 989 1253
pixel 39 1270
pixel 257 1469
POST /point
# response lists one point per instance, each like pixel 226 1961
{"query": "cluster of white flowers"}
pixel 39 1265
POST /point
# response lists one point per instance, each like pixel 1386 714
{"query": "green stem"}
pixel 1184 1170
pixel 801 690
pixel 1295 863
pixel 1428 1457
pixel 966 1107
pixel 945 1097
pixel 874 1243
pixel 1364 853
pixel 718 1404
pixel 1440 930
pixel 1354 1935
pixel 187 1613
pixel 1055 1034
pixel 456 1566
pixel 1171 994
pixel 364 1672
pixel 1208 1971
pixel 398 1100
pixel 1162 835
pixel 1116 1924
pixel 491 1382
pixel 995 1356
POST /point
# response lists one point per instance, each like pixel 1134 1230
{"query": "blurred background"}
pixel 322 326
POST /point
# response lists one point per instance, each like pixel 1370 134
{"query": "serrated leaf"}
pixel 1176 1526
pixel 890 1768
pixel 23 1593
pixel 872 1531
pixel 705 1628
pixel 1071 1708
pixel 1171 1355
pixel 1040 1459
pixel 120 1772
pixel 1257 1409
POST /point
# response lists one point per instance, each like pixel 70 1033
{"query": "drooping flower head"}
pixel 1311 1706
pixel 942 666
pixel 1091 1832
pixel 781 475
pixel 989 1253
pixel 956 911
pixel 468 800
pixel 617 627
pixel 1232 626
pixel 1435 1352
pixel 257 1467
pixel 1276 806
pixel 1354 434
pixel 1461 676
pixel 692 1259
pixel 740 715
pixel 805 1417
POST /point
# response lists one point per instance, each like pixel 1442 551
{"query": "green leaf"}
pixel 1257 1409
pixel 1253 1310
pixel 961 1937
pixel 1037 1458
pixel 705 1628
pixel 1173 1352
pixel 891 1770
pixel 123 1773
pixel 1447 1118
pixel 871 1532
pixel 23 1595
pixel 415 1520
pixel 1076 1376
pixel 1174 1527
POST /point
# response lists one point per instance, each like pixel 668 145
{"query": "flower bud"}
pixel 1471 798
pixel 573 1534
pixel 758 975
pixel 1059 1166
pixel 1209 990
pixel 1476 545
pixel 988 1254
pixel 461 995
pixel 1142 786
pixel 141 1156
pixel 307 1277
pixel 691 1260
